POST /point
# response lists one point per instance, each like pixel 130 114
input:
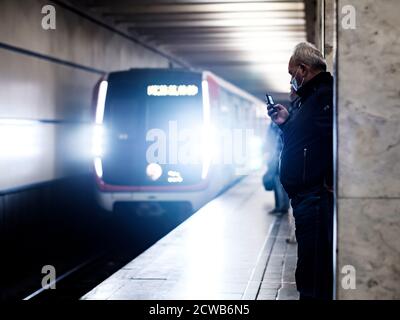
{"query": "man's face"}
pixel 292 68
pixel 292 95
pixel 299 72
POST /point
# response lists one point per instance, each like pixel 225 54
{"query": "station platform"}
pixel 230 249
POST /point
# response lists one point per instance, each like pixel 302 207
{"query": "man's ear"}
pixel 304 69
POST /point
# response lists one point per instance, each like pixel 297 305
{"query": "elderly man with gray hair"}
pixel 307 169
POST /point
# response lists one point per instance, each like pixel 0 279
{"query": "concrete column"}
pixel 324 30
pixel 369 149
pixel 319 25
pixel 329 32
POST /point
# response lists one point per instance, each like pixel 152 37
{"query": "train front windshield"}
pixel 152 121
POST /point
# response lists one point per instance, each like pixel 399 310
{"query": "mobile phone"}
pixel 269 100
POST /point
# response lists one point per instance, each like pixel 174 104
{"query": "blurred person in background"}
pixel 271 178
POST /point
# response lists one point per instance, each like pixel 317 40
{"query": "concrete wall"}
pixel 46 80
pixel 50 82
pixel 329 33
pixel 369 149
pixel 46 83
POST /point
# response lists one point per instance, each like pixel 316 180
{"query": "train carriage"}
pixel 173 136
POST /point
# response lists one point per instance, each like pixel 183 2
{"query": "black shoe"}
pixel 278 212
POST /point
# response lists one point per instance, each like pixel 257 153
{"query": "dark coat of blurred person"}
pixel 307 169
pixel 275 145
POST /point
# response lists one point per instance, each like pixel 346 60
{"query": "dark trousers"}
pixel 313 213
pixel 281 197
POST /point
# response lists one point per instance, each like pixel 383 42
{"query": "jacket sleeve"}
pixel 323 120
pixel 293 106
pixel 323 114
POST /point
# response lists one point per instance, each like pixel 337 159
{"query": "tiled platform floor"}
pixel 278 282
pixel 218 253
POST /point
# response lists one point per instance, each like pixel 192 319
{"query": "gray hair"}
pixel 308 54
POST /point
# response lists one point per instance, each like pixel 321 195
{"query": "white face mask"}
pixel 294 83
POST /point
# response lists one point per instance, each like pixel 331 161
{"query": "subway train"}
pixel 165 136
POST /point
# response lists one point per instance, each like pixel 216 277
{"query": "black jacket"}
pixel 307 155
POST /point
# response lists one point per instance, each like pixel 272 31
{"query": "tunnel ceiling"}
pixel 245 42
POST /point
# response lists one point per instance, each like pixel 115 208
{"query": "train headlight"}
pixel 98 131
pixel 154 171
pixel 98 167
pixel 101 101
pixel 98 141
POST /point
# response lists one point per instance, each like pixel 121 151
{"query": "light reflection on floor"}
pixel 210 256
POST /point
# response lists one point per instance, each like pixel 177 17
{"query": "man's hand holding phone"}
pixel 278 113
